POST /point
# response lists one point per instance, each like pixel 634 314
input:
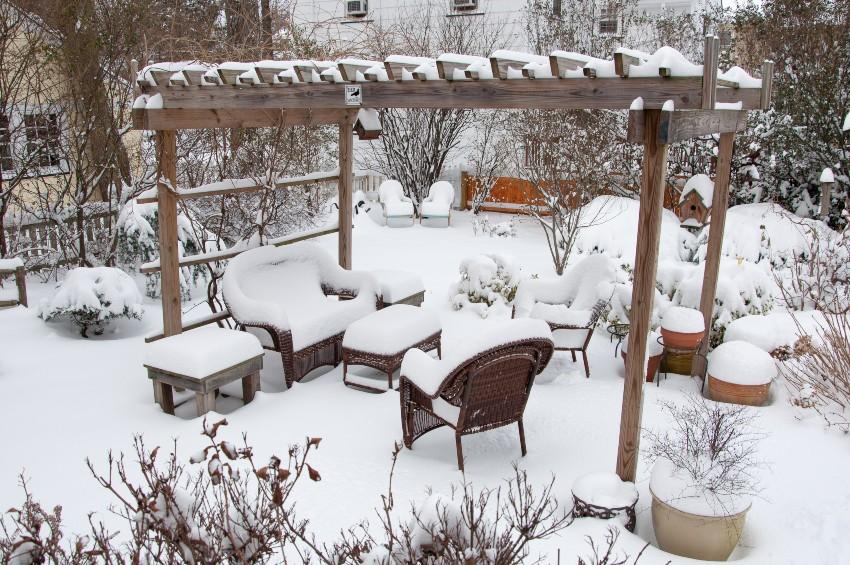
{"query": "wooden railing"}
pixel 36 242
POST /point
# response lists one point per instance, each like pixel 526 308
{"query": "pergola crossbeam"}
pixel 231 118
pixel 688 124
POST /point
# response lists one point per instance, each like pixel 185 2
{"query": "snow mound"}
pixel 767 332
pixel 605 489
pixel 669 58
pixel 107 290
pixel 683 320
pixel 742 363
pixel 827 176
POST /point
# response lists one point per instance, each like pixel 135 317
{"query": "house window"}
pixel 608 21
pixel 43 139
pixel 6 163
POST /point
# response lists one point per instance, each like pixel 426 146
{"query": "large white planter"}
pixel 707 535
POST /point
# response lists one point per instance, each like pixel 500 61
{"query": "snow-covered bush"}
pixel 485 280
pixel 820 278
pixel 742 289
pixel 91 297
pixel 705 460
pixel 500 229
pixel 138 243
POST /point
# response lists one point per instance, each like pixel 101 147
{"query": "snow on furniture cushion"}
pixel 435 209
pixel 202 352
pixel 391 330
pixel 605 489
pixel 584 283
pixel 428 373
pixel 569 339
pixel 282 287
pixel 398 285
pixel 742 363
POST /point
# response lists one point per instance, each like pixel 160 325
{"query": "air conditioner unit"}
pixel 461 5
pixel 356 8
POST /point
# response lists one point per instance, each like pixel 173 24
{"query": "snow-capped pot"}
pixel 704 477
pixel 740 373
pixel 603 494
pixel 654 352
pixel 682 328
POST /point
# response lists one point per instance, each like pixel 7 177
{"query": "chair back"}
pixel 390 190
pixel 442 191
pixel 492 389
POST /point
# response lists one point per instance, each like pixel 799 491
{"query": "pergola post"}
pixel 646 261
pixel 719 203
pixel 346 180
pixel 166 142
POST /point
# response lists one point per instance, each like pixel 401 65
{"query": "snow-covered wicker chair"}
pixel 571 305
pixel 280 294
pixel 398 208
pixel 438 205
pixel 481 385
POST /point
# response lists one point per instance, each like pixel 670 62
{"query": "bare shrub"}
pixel 818 374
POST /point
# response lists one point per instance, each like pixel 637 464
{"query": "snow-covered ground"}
pixel 63 399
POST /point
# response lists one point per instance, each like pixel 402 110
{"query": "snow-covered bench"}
pixel 437 207
pixel 479 385
pixel 381 339
pixel 398 209
pixel 571 304
pixel 203 361
pixel 280 294
pixel 14 266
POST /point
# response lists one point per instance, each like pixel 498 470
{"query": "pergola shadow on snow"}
pixel 678 101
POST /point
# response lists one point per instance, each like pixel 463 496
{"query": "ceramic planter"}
pixel 681 340
pixel 652 365
pixel 709 538
pixel 750 395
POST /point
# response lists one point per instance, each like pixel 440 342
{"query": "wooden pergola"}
pixel 307 93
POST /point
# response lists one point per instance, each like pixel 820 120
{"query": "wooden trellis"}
pixel 674 105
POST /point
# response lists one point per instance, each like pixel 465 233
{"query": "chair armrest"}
pixel 423 372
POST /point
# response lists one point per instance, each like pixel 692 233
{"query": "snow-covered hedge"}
pixel 138 243
pixel 91 297
pixel 485 280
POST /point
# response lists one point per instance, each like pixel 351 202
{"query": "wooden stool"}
pixel 203 361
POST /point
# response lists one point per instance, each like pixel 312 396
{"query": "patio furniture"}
pixel 14 266
pixel 281 295
pixel 478 386
pixel 203 361
pixel 400 287
pixel 398 208
pixel 619 331
pixel 603 495
pixel 381 339
pixel 437 206
pixel 681 357
pixel 571 304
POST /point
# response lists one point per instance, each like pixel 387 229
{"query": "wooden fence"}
pixel 43 244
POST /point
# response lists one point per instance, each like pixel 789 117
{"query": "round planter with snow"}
pixel 691 522
pixel 740 373
pixel 654 353
pixel 682 328
pixel 604 495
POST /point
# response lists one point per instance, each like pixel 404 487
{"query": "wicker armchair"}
pixel 478 389
pixel 280 294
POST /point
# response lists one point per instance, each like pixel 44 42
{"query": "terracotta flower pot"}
pixel 709 538
pixel 680 340
pixel 750 395
pixel 652 365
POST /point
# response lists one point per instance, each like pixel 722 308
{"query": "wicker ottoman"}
pixel 381 339
pixel 400 287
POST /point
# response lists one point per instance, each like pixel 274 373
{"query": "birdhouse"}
pixel 695 202
pixel 368 124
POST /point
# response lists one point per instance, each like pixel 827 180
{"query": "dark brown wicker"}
pixel 596 312
pixel 491 390
pixel 582 509
pixel 297 363
pixel 385 363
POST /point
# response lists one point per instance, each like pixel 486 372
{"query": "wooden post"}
pixel 346 180
pixel 825 198
pixel 711 53
pixel 719 203
pixel 21 283
pixel 646 261
pixel 167 217
pixel 464 189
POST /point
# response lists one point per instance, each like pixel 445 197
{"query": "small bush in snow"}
pixel 91 297
pixel 485 280
pixel 501 229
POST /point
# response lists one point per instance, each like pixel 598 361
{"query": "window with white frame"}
pixel 6 162
pixel 43 138
pixel 608 20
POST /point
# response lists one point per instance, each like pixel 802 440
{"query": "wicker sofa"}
pixel 477 387
pixel 282 295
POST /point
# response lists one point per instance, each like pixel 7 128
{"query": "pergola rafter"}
pixel 678 101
